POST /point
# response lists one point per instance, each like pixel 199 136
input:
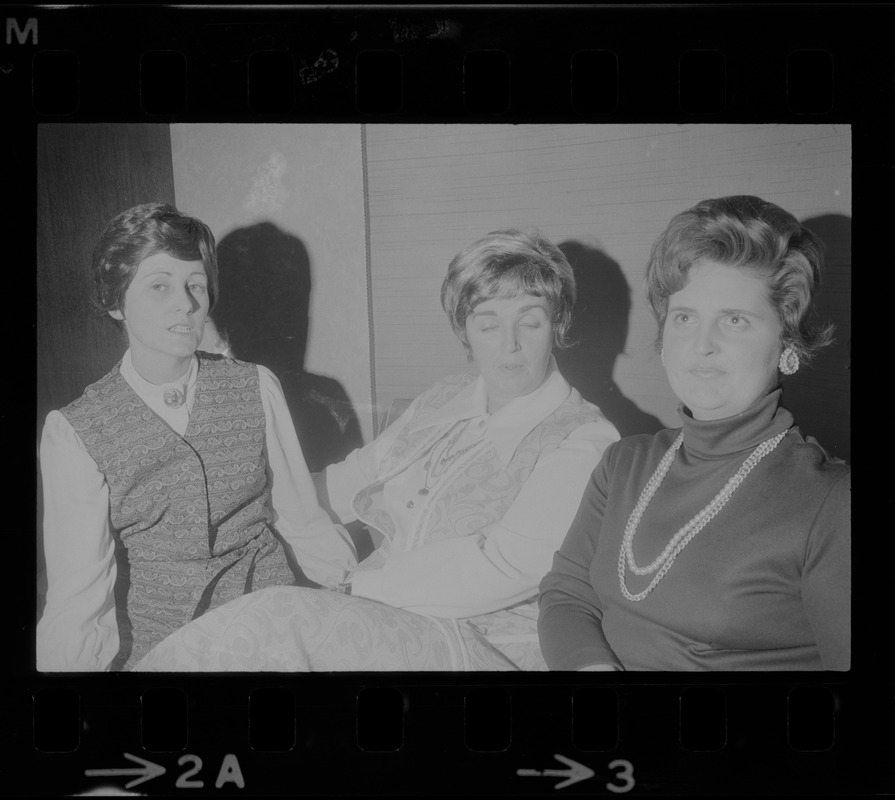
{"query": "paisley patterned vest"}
pixel 190 514
pixel 482 492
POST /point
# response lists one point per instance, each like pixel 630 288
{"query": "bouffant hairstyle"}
pixel 749 233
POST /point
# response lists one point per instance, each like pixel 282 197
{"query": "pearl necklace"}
pixel 683 537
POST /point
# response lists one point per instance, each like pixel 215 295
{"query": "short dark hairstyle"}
pixel 750 233
pixel 504 264
pixel 143 231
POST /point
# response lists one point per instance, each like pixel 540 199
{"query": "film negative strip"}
pixel 403 112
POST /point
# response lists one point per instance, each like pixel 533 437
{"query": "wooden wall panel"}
pixel 86 174
pixel 602 193
pixel 286 204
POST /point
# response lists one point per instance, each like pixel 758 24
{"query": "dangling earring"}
pixel 789 361
pixel 662 356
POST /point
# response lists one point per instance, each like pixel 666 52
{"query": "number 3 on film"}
pixel 578 772
pixel 625 775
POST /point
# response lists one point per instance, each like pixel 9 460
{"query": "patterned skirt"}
pixel 294 629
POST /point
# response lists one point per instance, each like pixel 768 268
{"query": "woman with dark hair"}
pixel 723 544
pixel 175 483
pixel 467 496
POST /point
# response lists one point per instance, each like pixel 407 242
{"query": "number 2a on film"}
pixel 228 773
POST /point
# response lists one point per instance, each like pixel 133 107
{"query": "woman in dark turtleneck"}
pixel 724 544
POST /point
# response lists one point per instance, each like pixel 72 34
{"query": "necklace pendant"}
pixel 423 492
pixel 174 398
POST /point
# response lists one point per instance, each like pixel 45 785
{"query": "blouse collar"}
pixel 155 392
pixel 509 425
pixel 718 438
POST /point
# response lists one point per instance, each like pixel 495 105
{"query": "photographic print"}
pixel 335 397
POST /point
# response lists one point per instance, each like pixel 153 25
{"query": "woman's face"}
pixel 721 341
pixel 511 340
pixel 164 313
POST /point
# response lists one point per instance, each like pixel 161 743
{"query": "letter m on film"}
pixel 12 27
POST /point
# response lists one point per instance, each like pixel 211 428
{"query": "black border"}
pixel 648 40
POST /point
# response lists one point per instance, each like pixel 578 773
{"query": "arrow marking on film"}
pixel 578 772
pixel 147 771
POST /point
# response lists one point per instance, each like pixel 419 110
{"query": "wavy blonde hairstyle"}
pixel 504 264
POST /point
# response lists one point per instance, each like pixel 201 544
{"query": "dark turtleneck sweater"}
pixel 765 585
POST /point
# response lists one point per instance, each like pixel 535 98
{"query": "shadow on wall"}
pixel 819 395
pixel 600 328
pixel 262 310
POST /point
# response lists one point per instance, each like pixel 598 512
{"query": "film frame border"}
pixel 861 95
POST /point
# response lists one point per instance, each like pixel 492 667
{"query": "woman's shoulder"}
pixel 457 382
pixel 819 481
pixel 577 418
pixel 646 442
pixel 430 400
pixel 576 404
pixel 211 360
pixel 56 426
pixel 444 389
pixel 218 364
pixel 640 446
pixel 92 393
pixel 809 457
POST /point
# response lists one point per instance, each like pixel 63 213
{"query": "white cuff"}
pixel 368 583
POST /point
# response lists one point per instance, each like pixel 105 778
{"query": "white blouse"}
pixel 501 565
pixel 78 630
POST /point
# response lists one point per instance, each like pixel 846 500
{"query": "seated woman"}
pixel 468 494
pixel 171 483
pixel 725 544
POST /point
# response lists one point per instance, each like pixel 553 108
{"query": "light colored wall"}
pixel 432 189
pixel 308 181
pixel 435 188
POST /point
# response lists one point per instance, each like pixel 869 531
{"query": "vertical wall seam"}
pixel 171 165
pixel 369 271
